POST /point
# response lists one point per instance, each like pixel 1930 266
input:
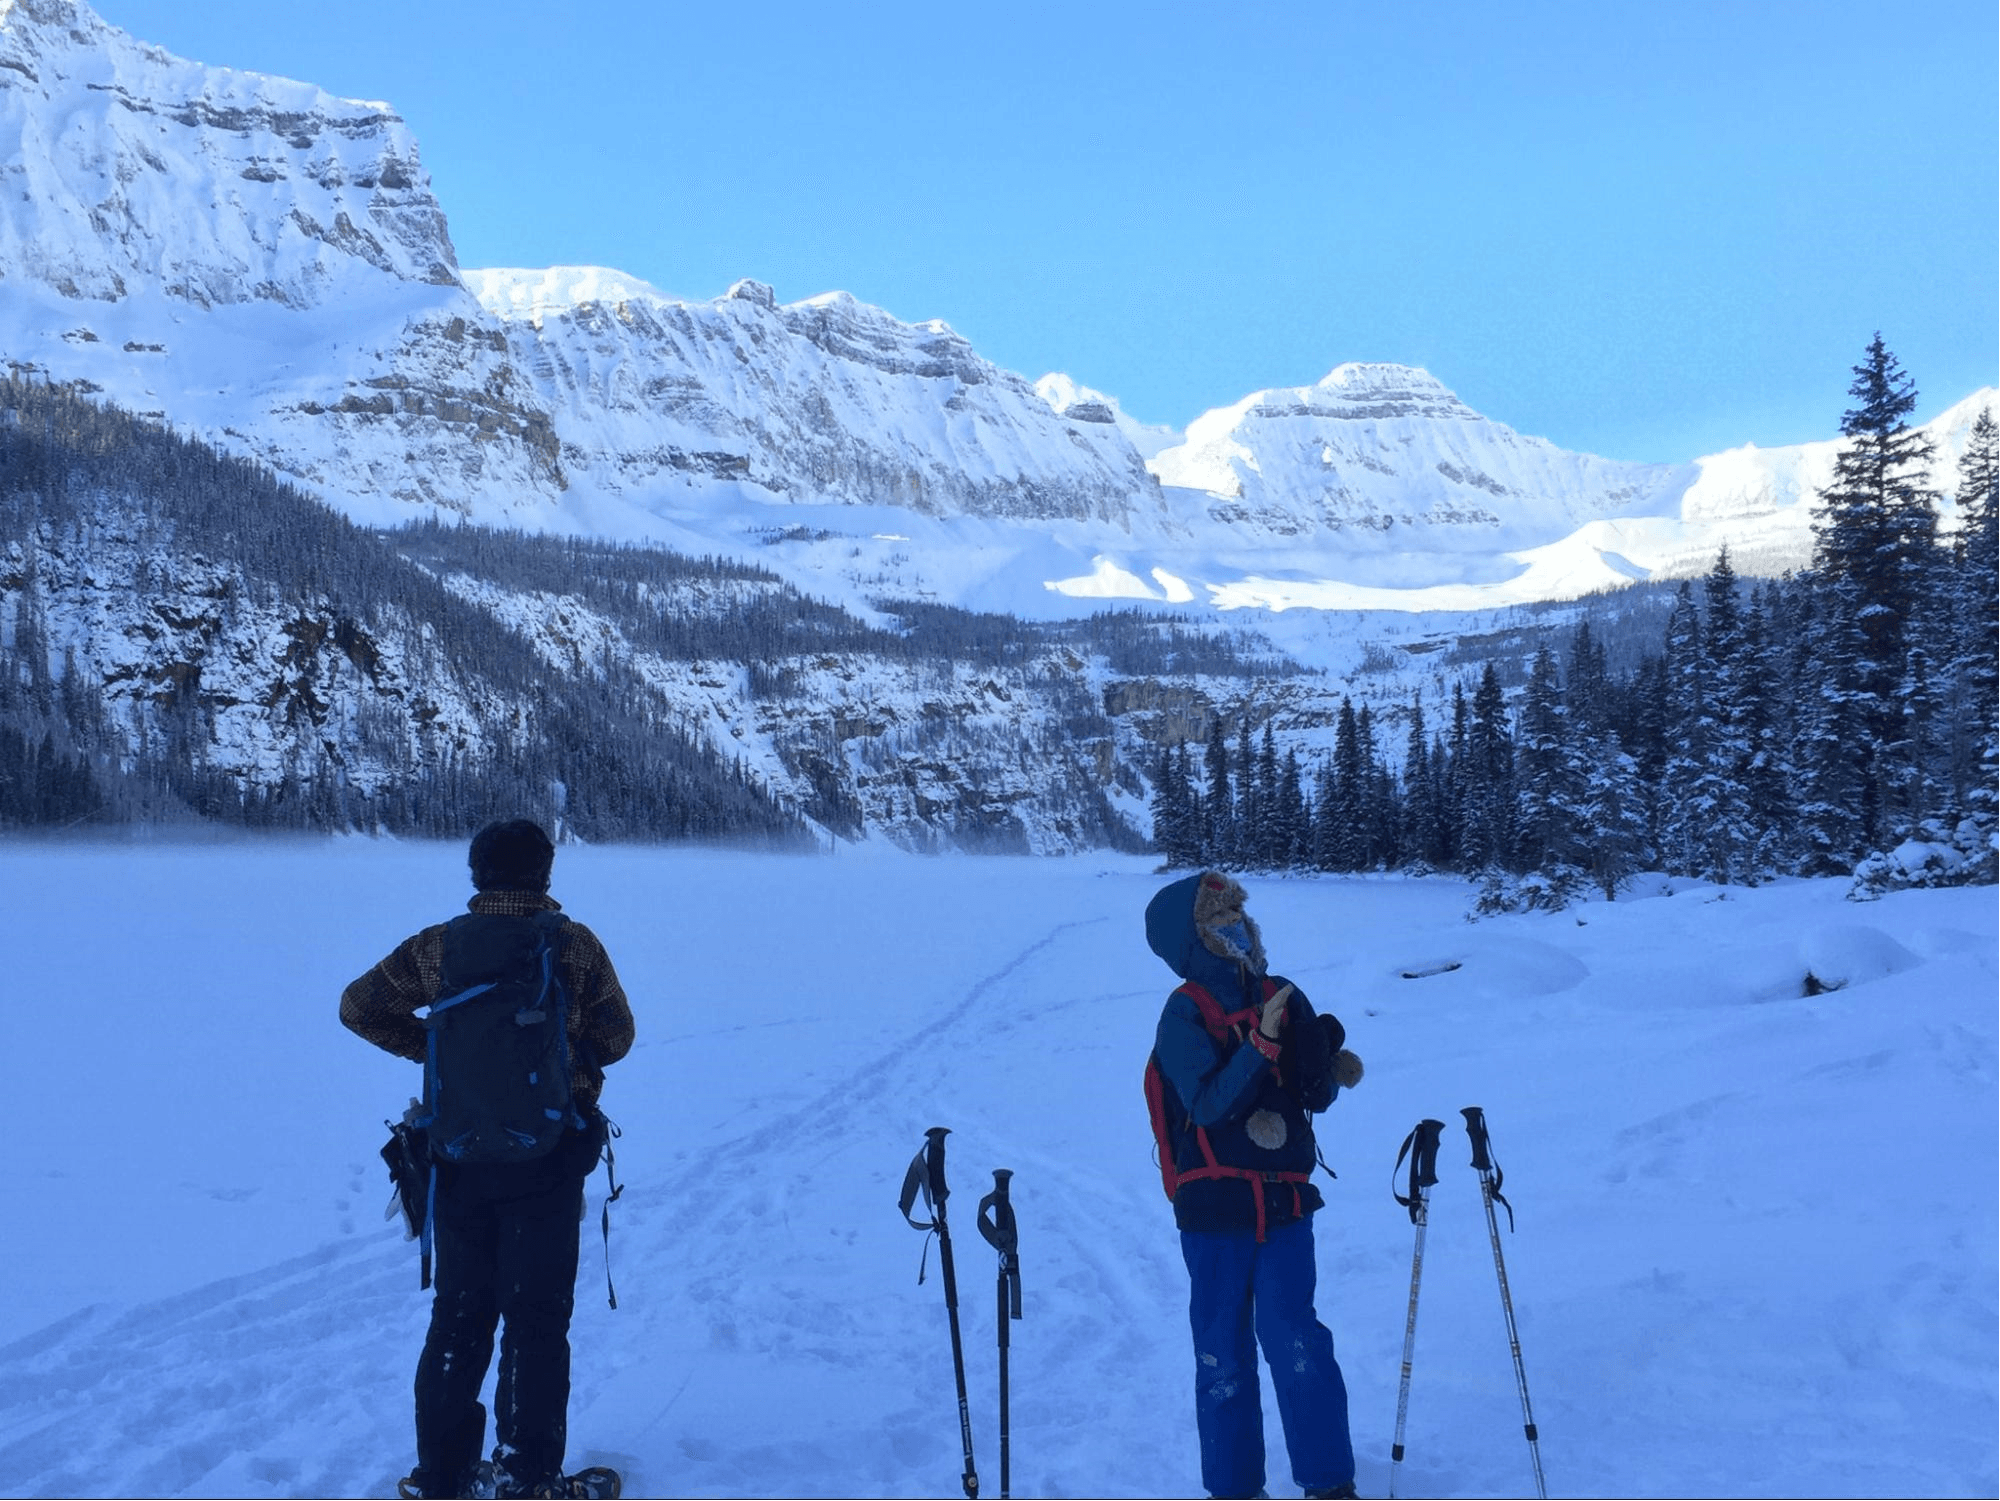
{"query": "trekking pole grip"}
pixel 996 1215
pixel 1475 1127
pixel 1424 1167
pixel 934 1163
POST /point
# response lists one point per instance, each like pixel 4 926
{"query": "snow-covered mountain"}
pixel 826 400
pixel 1082 404
pixel 1378 488
pixel 255 259
pixel 1380 449
pixel 264 264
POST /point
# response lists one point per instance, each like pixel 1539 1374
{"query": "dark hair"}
pixel 511 856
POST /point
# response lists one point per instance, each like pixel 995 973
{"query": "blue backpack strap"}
pixel 553 929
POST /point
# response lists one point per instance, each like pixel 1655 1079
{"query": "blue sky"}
pixel 1647 230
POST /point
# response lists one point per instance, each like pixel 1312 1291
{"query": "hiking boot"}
pixel 1336 1493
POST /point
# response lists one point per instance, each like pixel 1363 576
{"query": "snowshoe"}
pixel 597 1481
pixel 480 1487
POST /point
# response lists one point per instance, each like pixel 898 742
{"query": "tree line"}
pixel 1792 726
pixel 87 490
pixel 83 483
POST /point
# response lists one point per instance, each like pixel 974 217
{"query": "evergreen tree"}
pixel 1453 796
pixel 1346 838
pixel 1875 530
pixel 1588 694
pixel 1727 838
pixel 1614 813
pixel 1273 843
pixel 1294 839
pixel 1379 812
pixel 1173 831
pixel 1218 805
pixel 1421 839
pixel 1768 716
pixel 1973 737
pixel 1244 848
pixel 1830 752
pixel 1488 778
pixel 1547 790
pixel 1443 827
pixel 1684 810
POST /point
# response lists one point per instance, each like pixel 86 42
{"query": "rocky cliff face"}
pixel 309 198
pixel 822 400
pixel 254 258
pixel 181 649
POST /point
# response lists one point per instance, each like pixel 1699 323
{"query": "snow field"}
pixel 1755 1251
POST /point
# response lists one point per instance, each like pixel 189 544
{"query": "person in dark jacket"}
pixel 505 1232
pixel 1244 1155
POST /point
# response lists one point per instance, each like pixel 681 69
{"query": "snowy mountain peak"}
pixel 138 169
pixel 1356 376
pixel 1365 391
pixel 1080 403
pixel 1389 460
pixel 59 21
pixel 539 293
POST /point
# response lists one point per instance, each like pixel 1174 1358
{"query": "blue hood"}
pixel 1170 925
pixel 1171 933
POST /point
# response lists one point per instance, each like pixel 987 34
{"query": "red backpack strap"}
pixel 1220 1023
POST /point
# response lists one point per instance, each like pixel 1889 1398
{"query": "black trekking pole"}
pixel 926 1176
pixel 996 1223
pixel 1421 1147
pixel 1489 1187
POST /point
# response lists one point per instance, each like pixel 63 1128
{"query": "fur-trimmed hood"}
pixel 1185 923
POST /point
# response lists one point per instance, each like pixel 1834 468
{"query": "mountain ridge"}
pixel 267 265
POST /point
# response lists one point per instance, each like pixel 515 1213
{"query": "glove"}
pixel 1272 1022
pixel 1346 1069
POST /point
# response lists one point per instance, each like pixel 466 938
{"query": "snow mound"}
pixel 1838 955
pixel 1487 969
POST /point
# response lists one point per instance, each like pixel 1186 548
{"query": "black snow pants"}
pixel 506 1241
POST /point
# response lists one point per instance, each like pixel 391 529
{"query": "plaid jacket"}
pixel 381 1006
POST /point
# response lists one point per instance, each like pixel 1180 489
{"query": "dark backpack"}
pixel 497 1069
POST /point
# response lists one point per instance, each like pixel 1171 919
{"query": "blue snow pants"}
pixel 1243 1295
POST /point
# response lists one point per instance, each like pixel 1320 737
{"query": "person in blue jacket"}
pixel 1245 1080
